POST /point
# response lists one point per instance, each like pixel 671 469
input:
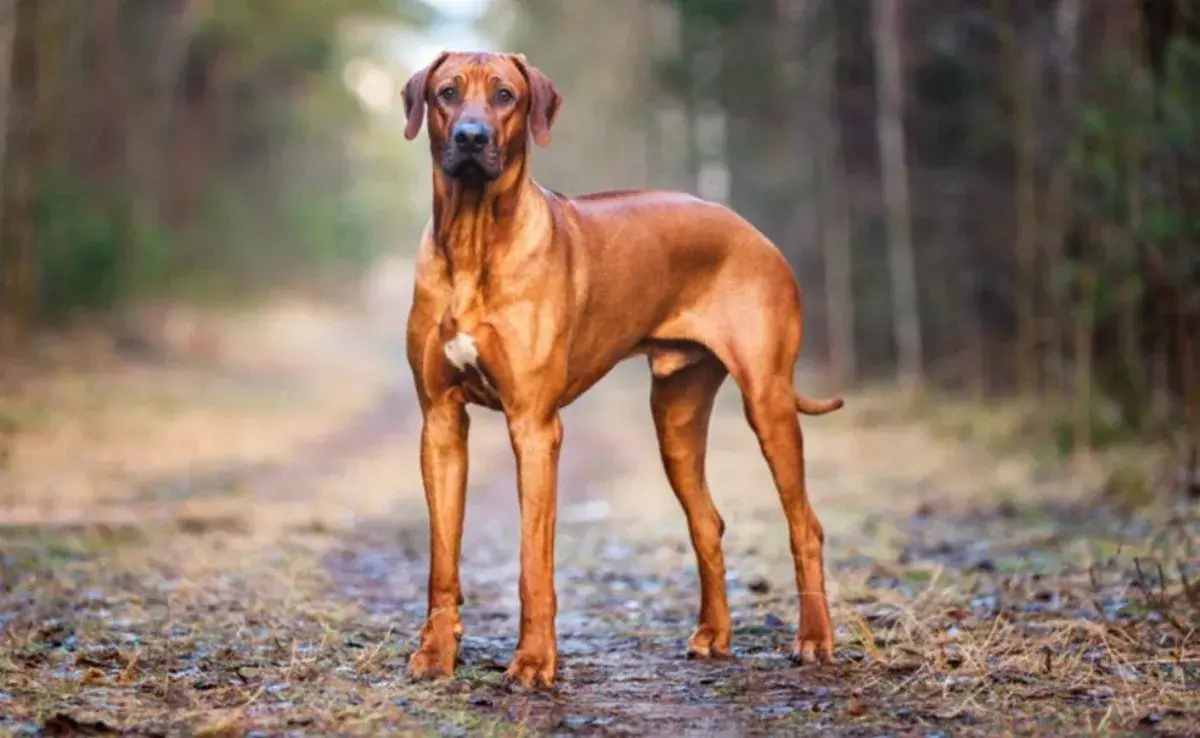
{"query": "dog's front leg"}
pixel 536 440
pixel 444 473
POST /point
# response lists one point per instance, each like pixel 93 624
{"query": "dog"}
pixel 525 298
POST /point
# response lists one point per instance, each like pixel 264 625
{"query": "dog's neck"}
pixel 473 218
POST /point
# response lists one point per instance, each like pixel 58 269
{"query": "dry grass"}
pixel 975 592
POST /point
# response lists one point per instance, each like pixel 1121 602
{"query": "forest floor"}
pixel 238 547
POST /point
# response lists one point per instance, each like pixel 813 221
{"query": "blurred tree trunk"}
pixel 195 128
pixel 109 91
pixel 22 163
pixel 7 26
pixel 1131 368
pixel 1085 327
pixel 790 169
pixel 649 36
pixel 174 29
pixel 53 23
pixel 750 97
pixel 689 51
pixel 833 204
pixel 1189 364
pixel 974 338
pixel 836 245
pixel 1020 63
pixel 161 38
pixel 1056 217
pixel 655 171
pixel 889 82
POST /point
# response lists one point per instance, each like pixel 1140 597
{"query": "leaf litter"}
pixel 972 594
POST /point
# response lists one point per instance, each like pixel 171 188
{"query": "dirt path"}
pixel 276 588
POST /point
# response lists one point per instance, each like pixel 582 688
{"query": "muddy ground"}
pixel 239 547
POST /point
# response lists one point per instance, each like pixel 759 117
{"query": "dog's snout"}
pixel 471 136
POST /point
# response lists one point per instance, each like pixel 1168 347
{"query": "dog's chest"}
pixel 462 351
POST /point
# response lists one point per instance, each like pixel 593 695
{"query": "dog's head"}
pixel 481 109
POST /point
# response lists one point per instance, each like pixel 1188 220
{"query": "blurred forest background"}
pixel 201 149
pixel 999 198
pixel 995 198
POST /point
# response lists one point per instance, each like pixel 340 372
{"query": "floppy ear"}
pixel 414 97
pixel 544 103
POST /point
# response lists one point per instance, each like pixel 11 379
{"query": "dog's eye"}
pixel 448 95
pixel 505 96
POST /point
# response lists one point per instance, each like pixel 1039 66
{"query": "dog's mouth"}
pixel 482 167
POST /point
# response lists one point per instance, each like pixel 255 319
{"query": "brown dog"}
pixel 525 298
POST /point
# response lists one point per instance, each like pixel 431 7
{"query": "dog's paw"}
pixel 431 663
pixel 438 652
pixel 707 642
pixel 529 669
pixel 813 651
pixel 814 641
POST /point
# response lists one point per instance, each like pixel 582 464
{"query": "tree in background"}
pixel 181 147
pixel 24 150
pixel 832 203
pixel 991 197
pixel 601 56
pixel 889 84
pixel 1034 163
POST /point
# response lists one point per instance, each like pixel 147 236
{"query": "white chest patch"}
pixel 462 351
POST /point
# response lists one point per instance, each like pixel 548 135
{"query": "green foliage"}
pixel 1180 97
pixel 329 233
pixel 1105 425
pixel 1127 140
pixel 79 248
pixel 280 197
pixel 287 210
pixel 712 13
pixel 1135 137
pixel 91 256
pixel 92 251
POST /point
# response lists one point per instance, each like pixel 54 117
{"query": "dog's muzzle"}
pixel 471 151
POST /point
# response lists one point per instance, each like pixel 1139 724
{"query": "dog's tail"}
pixel 809 406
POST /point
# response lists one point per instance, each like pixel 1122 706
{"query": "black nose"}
pixel 471 137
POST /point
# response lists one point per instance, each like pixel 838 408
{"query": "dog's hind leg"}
pixel 762 362
pixel 681 399
pixel 770 409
